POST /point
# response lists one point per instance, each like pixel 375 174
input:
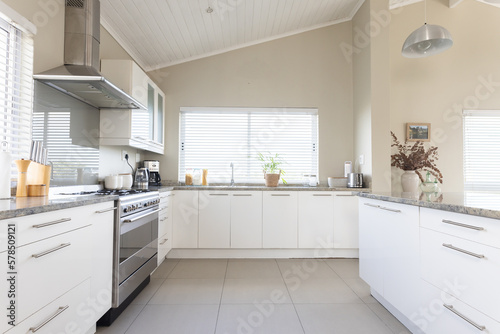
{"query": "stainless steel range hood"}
pixel 80 76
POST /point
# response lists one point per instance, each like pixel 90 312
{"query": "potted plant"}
pixel 414 159
pixel 271 167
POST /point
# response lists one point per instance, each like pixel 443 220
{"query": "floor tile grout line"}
pixel 291 299
pixel 135 318
pixel 221 294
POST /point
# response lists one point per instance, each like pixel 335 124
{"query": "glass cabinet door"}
pixel 151 111
pixel 159 119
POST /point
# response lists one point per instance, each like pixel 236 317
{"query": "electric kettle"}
pixel 142 178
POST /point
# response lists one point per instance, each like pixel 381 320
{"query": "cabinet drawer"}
pixel 165 225
pixel 49 268
pixel 164 246
pixel 472 279
pixel 479 229
pixel 44 225
pixel 434 318
pixel 66 314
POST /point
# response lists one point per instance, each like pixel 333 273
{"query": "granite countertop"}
pixel 483 204
pixel 24 206
pixel 254 188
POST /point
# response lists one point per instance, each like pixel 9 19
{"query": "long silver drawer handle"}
pixel 106 210
pixel 242 194
pixel 372 205
pixel 388 209
pixel 218 194
pixel 163 219
pixel 59 311
pixel 280 194
pixel 451 222
pixel 61 246
pixel 164 241
pixel 63 220
pixel 473 323
pixel 322 195
pixel 140 217
pixel 346 196
pixel 450 246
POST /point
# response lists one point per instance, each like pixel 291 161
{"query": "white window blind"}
pixel 212 138
pixel 16 89
pixel 481 150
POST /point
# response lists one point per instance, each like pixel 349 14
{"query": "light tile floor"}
pixel 256 296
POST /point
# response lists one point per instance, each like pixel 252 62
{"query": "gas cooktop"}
pixel 121 192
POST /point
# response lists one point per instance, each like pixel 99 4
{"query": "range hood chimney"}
pixel 79 77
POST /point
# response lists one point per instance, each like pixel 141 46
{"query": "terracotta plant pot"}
pixel 272 180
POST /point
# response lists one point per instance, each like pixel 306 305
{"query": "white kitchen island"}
pixel 435 263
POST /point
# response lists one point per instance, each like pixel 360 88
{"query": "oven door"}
pixel 138 241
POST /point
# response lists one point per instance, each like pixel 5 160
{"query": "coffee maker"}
pixel 154 172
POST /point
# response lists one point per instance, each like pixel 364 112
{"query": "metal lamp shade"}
pixel 426 41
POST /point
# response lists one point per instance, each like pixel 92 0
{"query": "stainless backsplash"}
pixel 70 130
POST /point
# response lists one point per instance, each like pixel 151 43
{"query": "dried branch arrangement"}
pixel 415 157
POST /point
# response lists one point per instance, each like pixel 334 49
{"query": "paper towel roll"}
pixel 5 166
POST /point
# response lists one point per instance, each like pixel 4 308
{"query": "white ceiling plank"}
pixel 159 33
pixel 248 20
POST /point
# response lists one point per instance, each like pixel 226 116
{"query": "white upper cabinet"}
pixel 142 129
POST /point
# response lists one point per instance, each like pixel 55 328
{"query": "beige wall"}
pixel 361 64
pixel 435 89
pixel 304 70
pixel 48 17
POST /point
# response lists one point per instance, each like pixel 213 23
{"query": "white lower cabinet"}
pixel 214 219
pixel 280 219
pixel 315 219
pixel 246 219
pixel 345 220
pixel 389 252
pixel 441 313
pixel 185 219
pixel 165 225
pixel 70 313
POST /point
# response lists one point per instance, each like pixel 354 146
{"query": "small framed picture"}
pixel 418 131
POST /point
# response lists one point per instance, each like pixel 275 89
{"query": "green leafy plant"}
pixel 271 164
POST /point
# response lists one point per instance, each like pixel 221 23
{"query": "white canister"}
pixel 347 168
pixel 113 182
pixel 5 169
pixel 127 181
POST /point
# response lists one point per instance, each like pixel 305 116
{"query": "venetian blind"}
pixel 481 149
pixel 16 89
pixel 212 138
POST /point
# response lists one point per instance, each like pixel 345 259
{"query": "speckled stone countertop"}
pixel 254 188
pixel 24 206
pixel 483 204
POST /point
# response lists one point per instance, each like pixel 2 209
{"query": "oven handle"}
pixel 140 217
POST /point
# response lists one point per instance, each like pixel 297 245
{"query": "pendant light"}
pixel 427 40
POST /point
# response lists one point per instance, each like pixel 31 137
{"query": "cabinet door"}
pixel 315 212
pixel 372 235
pixel 246 219
pixel 102 256
pixel 159 119
pixel 402 258
pixel 185 223
pixel 345 220
pixel 279 219
pixel 214 211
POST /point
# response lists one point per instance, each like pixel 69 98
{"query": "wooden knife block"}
pixel 39 174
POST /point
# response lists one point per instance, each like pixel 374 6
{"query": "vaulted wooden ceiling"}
pixel 160 33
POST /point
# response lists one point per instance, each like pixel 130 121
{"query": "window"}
pixel 16 70
pixel 481 150
pixel 214 137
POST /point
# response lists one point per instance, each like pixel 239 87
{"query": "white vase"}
pixel 410 181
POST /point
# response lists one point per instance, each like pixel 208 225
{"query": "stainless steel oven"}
pixel 135 248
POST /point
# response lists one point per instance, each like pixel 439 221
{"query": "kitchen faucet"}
pixel 232 174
